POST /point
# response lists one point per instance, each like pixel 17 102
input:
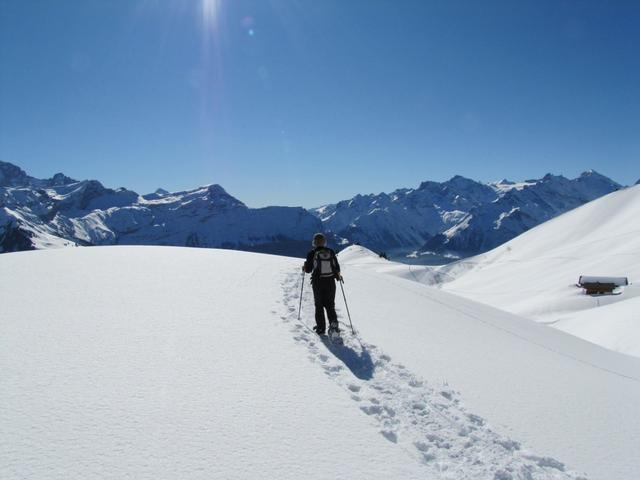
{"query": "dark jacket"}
pixel 309 262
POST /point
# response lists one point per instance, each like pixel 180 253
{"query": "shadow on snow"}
pixel 359 363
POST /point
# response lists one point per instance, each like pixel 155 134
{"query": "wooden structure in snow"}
pixel 601 285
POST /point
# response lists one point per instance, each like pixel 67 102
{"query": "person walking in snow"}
pixel 323 265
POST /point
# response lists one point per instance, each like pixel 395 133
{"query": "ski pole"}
pixel 345 304
pixel 301 290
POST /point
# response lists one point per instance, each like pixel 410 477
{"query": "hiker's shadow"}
pixel 359 363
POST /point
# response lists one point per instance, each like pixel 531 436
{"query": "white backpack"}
pixel 323 265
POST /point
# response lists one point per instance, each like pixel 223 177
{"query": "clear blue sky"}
pixel 303 102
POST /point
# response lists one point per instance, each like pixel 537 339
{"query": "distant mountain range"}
pixel 61 211
pixel 459 217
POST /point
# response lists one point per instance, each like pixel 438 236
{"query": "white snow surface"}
pixel 365 259
pixel 535 274
pixel 160 362
pixel 512 371
pixel 615 326
pixel 153 363
pixel 505 185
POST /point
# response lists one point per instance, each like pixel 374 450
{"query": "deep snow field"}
pixel 535 274
pixel 160 362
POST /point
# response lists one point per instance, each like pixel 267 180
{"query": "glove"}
pixel 339 277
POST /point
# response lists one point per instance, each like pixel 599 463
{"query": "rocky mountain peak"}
pixel 460 181
pixel 12 175
pixel 593 175
pixel 60 179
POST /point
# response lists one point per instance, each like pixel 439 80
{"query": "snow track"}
pixel 429 422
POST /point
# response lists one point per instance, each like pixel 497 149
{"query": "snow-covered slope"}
pixel 158 363
pixel 62 211
pixel 153 362
pixel 366 260
pixel 532 382
pixel 615 325
pixel 535 274
pixel 459 216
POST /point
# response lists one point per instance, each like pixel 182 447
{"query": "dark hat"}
pixel 319 240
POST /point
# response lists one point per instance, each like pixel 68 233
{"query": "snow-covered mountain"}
pixel 460 216
pixel 61 211
pixel 535 274
pixel 148 363
pixel 457 218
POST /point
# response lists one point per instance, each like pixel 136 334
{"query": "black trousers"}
pixel 324 296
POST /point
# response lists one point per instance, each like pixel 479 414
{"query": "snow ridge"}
pixel 429 423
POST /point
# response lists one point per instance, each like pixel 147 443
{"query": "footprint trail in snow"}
pixel 430 423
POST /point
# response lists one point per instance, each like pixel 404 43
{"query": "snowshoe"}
pixel 334 333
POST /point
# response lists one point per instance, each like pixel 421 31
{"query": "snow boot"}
pixel 319 331
pixel 334 333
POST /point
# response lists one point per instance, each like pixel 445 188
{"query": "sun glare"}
pixel 209 11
